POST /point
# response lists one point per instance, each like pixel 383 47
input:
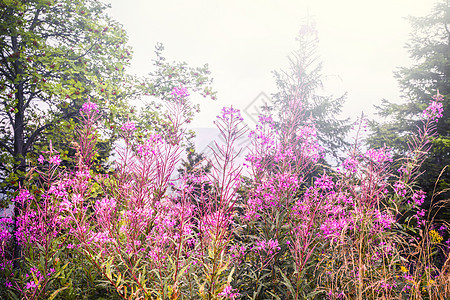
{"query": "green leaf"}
pixel 286 281
pixel 55 293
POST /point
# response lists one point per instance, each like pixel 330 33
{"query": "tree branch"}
pixel 8 113
pixel 7 148
pixel 31 97
pixel 35 20
pixel 34 135
pixel 40 129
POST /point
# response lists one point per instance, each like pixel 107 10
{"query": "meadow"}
pixel 280 226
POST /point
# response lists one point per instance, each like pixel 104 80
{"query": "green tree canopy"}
pixel 54 55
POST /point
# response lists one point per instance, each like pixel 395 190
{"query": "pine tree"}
pixel 304 79
pixel 429 46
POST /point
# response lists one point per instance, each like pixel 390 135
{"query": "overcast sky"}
pixel 361 44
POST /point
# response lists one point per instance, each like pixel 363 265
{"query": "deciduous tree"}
pixel 53 56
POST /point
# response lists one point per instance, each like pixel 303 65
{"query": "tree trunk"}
pixel 19 143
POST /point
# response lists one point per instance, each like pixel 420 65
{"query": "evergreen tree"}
pixel 304 79
pixel 429 46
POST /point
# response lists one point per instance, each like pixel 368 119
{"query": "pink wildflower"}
pixel 230 113
pixel 380 155
pixel 24 196
pixel 88 107
pixel 56 160
pixel 128 126
pixel 51 271
pixel 418 197
pixel 435 109
pixel 65 205
pixel 351 164
pixel 180 92
pixel 400 189
pixel 324 182
pixel 31 284
pixel 229 293
pixel 77 199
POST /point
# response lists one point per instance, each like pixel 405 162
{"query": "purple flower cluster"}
pixel 180 92
pixel 379 155
pixel 418 197
pixel 400 189
pixel 340 224
pixel 88 108
pixel 435 109
pixel 151 145
pixel 128 127
pixel 229 293
pixel 350 164
pixel 230 114
pixel 23 197
pixel 270 246
pixel 55 160
pixel 324 182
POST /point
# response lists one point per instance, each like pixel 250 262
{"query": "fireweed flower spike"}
pixel 180 92
pixel 128 127
pixel 89 107
pixel 435 109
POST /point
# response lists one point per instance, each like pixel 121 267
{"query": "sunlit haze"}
pixel 361 44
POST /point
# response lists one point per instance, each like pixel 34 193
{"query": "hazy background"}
pixel 361 44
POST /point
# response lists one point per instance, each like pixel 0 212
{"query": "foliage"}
pixel 429 46
pixel 56 53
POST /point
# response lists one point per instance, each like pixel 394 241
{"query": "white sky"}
pixel 361 44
